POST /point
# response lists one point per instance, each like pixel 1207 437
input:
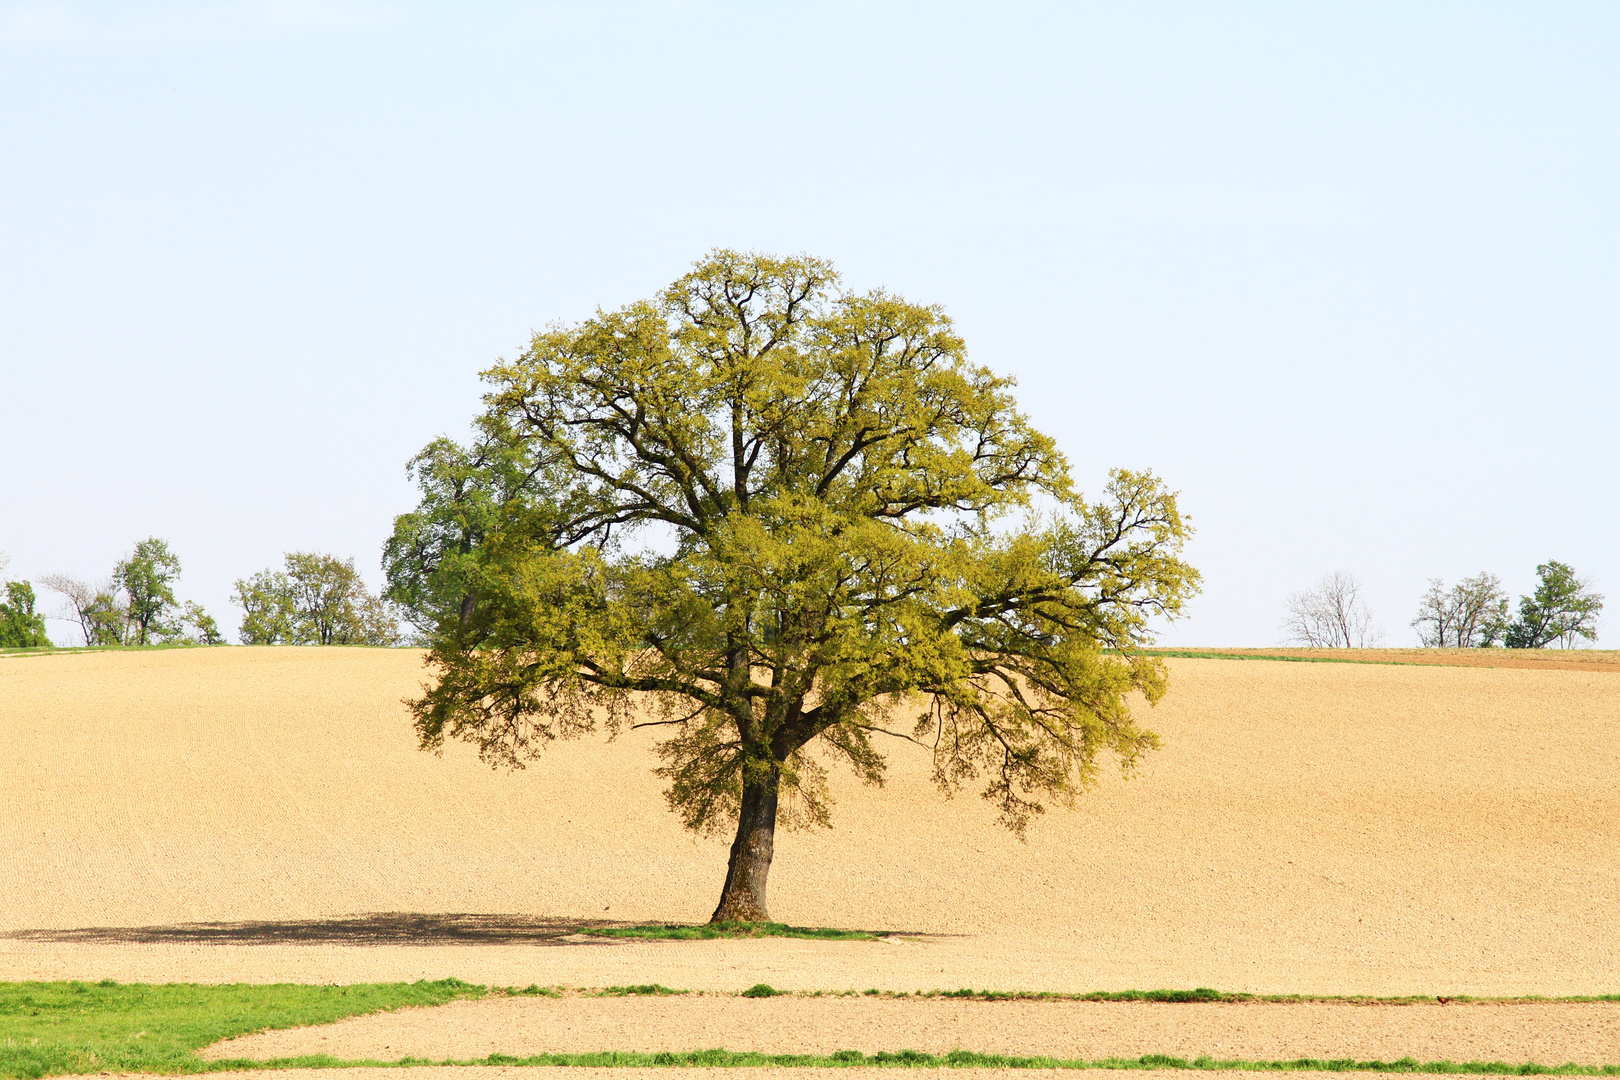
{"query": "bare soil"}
pixel 1587 1034
pixel 264 815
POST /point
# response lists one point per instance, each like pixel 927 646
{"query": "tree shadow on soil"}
pixel 377 928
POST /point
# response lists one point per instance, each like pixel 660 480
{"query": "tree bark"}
pixel 743 898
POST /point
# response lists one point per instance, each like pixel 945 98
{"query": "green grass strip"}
pixel 707 931
pixel 55 1028
pixel 956 1059
pixel 60 1028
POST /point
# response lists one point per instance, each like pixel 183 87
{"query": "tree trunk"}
pixel 743 898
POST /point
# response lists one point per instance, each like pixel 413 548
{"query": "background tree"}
pixel 99 610
pixel 106 614
pixel 268 606
pixel 147 579
pixel 80 598
pixel 1563 609
pixel 318 600
pixel 1331 616
pixel 1471 614
pixel 204 630
pixel 428 557
pixel 109 618
pixel 21 627
pixel 782 518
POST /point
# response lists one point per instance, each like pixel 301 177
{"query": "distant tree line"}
pixel 317 599
pixel 1474 613
pixel 135 604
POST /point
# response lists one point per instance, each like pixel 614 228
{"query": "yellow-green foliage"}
pixel 784 515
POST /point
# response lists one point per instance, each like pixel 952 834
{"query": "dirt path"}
pixel 1547 1033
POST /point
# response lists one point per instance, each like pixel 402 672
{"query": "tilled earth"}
pixel 1547 1033
pixel 264 815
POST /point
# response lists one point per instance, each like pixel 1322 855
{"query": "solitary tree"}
pixel 1563 609
pixel 147 579
pixel 1471 614
pixel 781 516
pixel 318 600
pixel 1331 616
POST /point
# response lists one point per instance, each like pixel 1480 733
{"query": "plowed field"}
pixel 264 815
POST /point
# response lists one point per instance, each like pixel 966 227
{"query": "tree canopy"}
pixel 1564 608
pixel 147 579
pixel 1471 614
pixel 318 600
pixel 783 521
pixel 136 605
pixel 21 627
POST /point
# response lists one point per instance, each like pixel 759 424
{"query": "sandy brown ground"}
pixel 1314 828
pixel 1588 1034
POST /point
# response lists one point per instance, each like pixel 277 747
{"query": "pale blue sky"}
pixel 1348 276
